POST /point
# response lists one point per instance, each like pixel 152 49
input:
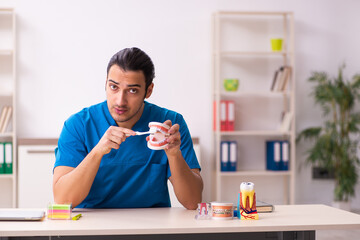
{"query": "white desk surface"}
pixel 180 220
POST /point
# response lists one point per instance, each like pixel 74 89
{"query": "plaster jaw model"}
pixel 158 136
pixel 247 202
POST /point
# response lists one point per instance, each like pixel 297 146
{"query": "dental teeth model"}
pixel 158 135
pixel 203 211
pixel 247 202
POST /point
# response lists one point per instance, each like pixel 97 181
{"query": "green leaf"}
pixel 309 133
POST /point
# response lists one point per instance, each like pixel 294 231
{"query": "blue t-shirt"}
pixel 131 176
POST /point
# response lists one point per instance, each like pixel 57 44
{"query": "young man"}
pixel 100 163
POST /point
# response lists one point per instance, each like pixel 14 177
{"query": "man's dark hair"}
pixel 134 59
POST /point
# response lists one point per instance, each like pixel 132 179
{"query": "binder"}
pixel 223 116
pixel 2 158
pixel 277 155
pixel 230 115
pixel 232 156
pixel 285 156
pixel 8 158
pixel 227 115
pixel 224 156
pixel 273 155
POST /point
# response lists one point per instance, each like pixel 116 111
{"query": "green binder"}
pixel 8 158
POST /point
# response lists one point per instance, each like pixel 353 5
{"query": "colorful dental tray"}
pixel 247 202
pixel 59 211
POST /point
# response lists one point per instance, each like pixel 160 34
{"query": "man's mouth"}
pixel 120 111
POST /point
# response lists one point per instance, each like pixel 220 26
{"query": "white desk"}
pixel 288 222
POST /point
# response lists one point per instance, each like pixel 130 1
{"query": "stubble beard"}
pixel 118 119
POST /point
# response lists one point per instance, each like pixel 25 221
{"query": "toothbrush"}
pixel 152 130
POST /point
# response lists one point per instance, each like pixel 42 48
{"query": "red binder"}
pixel 230 115
pixel 223 115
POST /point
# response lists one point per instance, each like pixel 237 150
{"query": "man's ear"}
pixel 149 90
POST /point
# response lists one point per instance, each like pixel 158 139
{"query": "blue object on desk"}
pixel 235 213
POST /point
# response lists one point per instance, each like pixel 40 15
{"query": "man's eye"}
pixel 133 90
pixel 113 87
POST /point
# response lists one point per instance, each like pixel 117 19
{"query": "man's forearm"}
pixel 187 183
pixel 73 185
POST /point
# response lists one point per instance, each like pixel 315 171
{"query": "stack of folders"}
pixel 228 156
pixel 6 158
pixel 5 118
pixel 281 79
pixel 277 155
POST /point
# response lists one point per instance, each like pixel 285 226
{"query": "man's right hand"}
pixel 112 138
pixel 73 184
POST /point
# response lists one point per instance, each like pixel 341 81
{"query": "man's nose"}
pixel 121 98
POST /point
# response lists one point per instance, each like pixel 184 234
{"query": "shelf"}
pixel 253 53
pixel 6 134
pixel 255 173
pixel 6 52
pixel 6 93
pixel 6 10
pixel 253 13
pixel 265 94
pixel 6 176
pixel 255 133
pixel 7 98
pixel 242 50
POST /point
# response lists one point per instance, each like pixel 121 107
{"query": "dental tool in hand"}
pixel 152 130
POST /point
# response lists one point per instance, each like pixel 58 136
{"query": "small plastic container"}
pixel 59 211
pixel 222 211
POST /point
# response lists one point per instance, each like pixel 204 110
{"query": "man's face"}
pixel 125 93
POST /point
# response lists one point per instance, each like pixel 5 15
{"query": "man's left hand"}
pixel 174 139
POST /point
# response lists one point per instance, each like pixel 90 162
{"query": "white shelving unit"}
pixel 8 182
pixel 242 50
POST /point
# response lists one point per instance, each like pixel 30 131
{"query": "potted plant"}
pixel 336 142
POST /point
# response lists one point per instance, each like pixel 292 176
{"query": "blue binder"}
pixel 273 155
pixel 224 156
pixel 277 155
pixel 232 165
pixel 228 156
pixel 285 155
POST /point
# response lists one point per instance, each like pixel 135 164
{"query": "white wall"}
pixel 64 47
